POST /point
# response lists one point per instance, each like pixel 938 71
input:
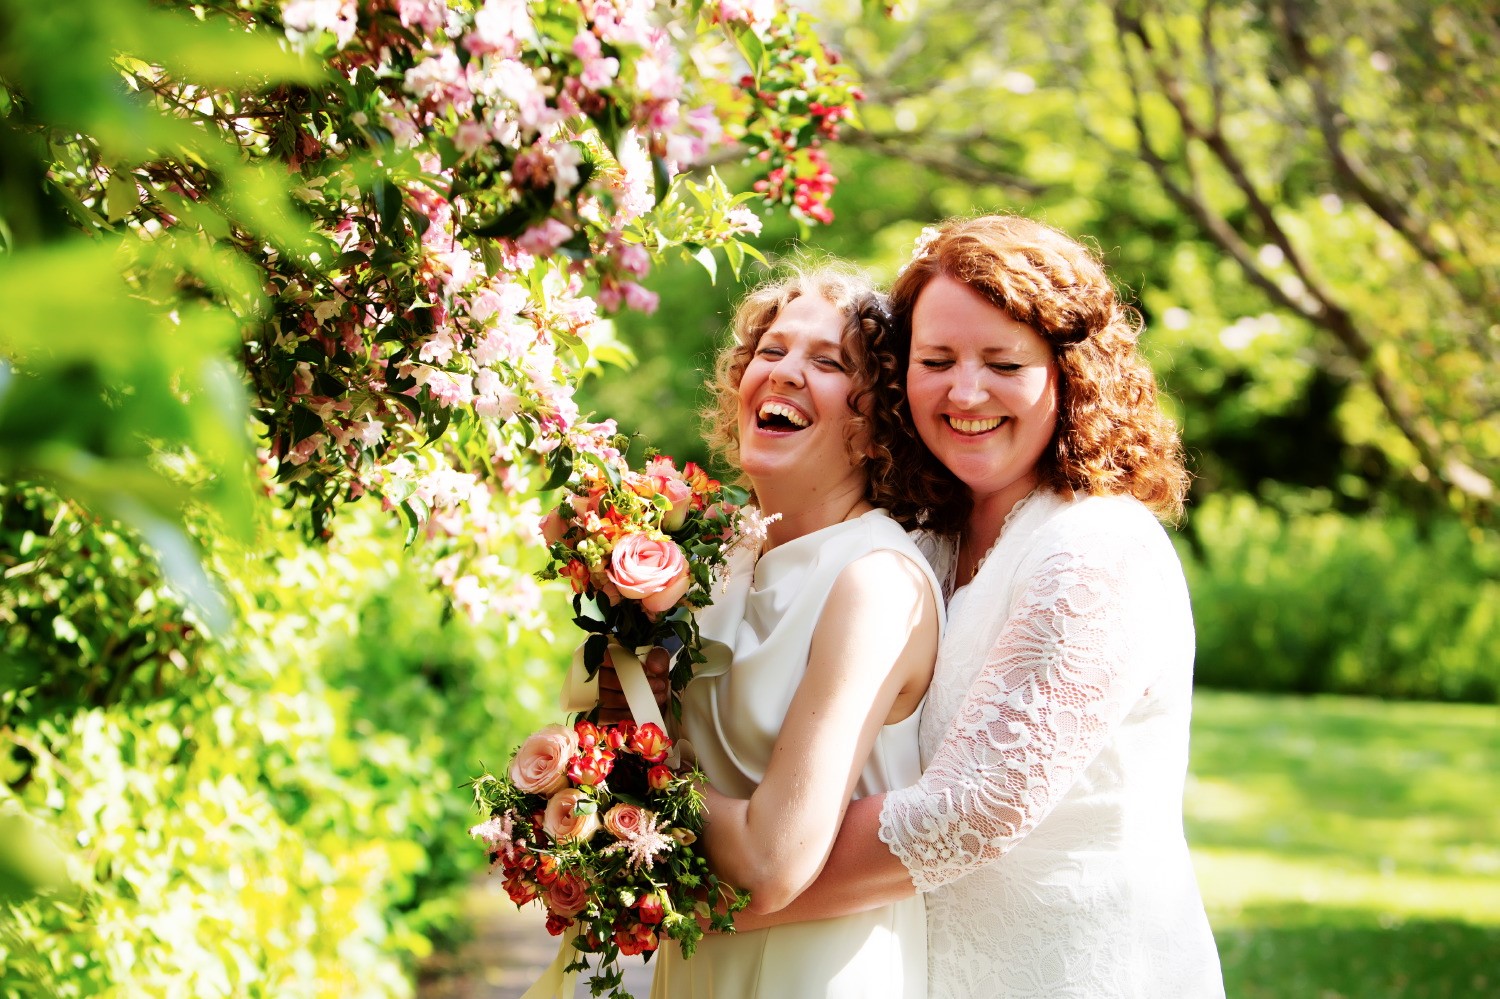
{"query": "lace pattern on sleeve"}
pixel 1052 688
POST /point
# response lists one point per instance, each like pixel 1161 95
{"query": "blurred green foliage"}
pixel 272 810
pixel 1316 601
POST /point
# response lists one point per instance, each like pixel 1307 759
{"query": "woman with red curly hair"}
pixel 1046 830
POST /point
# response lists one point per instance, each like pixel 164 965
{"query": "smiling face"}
pixel 794 410
pixel 982 388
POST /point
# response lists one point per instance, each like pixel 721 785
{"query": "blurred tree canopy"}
pixel 1303 199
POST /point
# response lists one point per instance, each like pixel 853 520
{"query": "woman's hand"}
pixel 612 705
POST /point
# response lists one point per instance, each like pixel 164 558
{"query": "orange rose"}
pixel 635 939
pixel 651 743
pixel 541 764
pixel 565 823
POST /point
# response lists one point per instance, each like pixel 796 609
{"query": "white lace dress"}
pixel 1046 830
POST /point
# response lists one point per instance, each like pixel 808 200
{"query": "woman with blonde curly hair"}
pixel 832 627
pixel 1046 830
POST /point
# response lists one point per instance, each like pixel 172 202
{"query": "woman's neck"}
pixel 986 520
pixel 800 512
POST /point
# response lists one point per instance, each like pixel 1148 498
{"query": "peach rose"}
pixel 626 821
pixel 674 486
pixel 565 823
pixel 553 527
pixel 541 764
pixel 649 570
pixel 567 895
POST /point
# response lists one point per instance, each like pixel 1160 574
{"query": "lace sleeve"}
pixel 1061 675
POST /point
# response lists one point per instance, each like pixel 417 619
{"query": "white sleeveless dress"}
pixel 767 615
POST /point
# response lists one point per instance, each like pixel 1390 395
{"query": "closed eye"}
pixel 1005 368
pixel 935 363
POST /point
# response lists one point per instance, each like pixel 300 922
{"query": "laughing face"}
pixel 794 402
pixel 982 389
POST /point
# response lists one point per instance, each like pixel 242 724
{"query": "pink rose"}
pixel 651 571
pixel 626 821
pixel 541 764
pixel 565 823
pixel 679 494
pixel 567 895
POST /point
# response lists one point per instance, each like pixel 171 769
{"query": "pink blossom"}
pixel 434 75
pixel 303 451
pixel 756 13
pixel 302 379
pixel 633 257
pixel 639 298
pixel 450 389
pixel 369 432
pixel 425 15
pixel 504 300
pixel 515 83
pixel 623 23
pixel 566 157
pixel 471 597
pixel 500 26
pixel 438 349
pixel 742 219
pixel 636 192
pixel 471 137
pixel 541 240
pixel 304 18
pixel 598 69
pixel 403 132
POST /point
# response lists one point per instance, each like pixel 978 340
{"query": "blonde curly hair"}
pixel 1111 436
pixel 871 361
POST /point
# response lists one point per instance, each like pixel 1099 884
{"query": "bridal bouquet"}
pixel 643 548
pixel 598 822
pixel 591 821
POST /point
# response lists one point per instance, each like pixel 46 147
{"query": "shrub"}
pixel 1318 602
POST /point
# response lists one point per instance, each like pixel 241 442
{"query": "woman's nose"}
pixel 787 369
pixel 967 388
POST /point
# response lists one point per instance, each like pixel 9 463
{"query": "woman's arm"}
pixel 1094 626
pixel 861 873
pixel 871 657
pixel 1061 675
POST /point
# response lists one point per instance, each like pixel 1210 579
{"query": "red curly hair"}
pixel 1112 437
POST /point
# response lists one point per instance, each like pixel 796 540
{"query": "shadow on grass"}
pixel 1299 952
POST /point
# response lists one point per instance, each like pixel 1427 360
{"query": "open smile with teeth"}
pixel 780 416
pixel 974 426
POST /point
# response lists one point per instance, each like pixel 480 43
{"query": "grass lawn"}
pixel 1348 848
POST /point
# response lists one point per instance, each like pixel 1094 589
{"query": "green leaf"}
pixel 705 256
pixel 121 196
